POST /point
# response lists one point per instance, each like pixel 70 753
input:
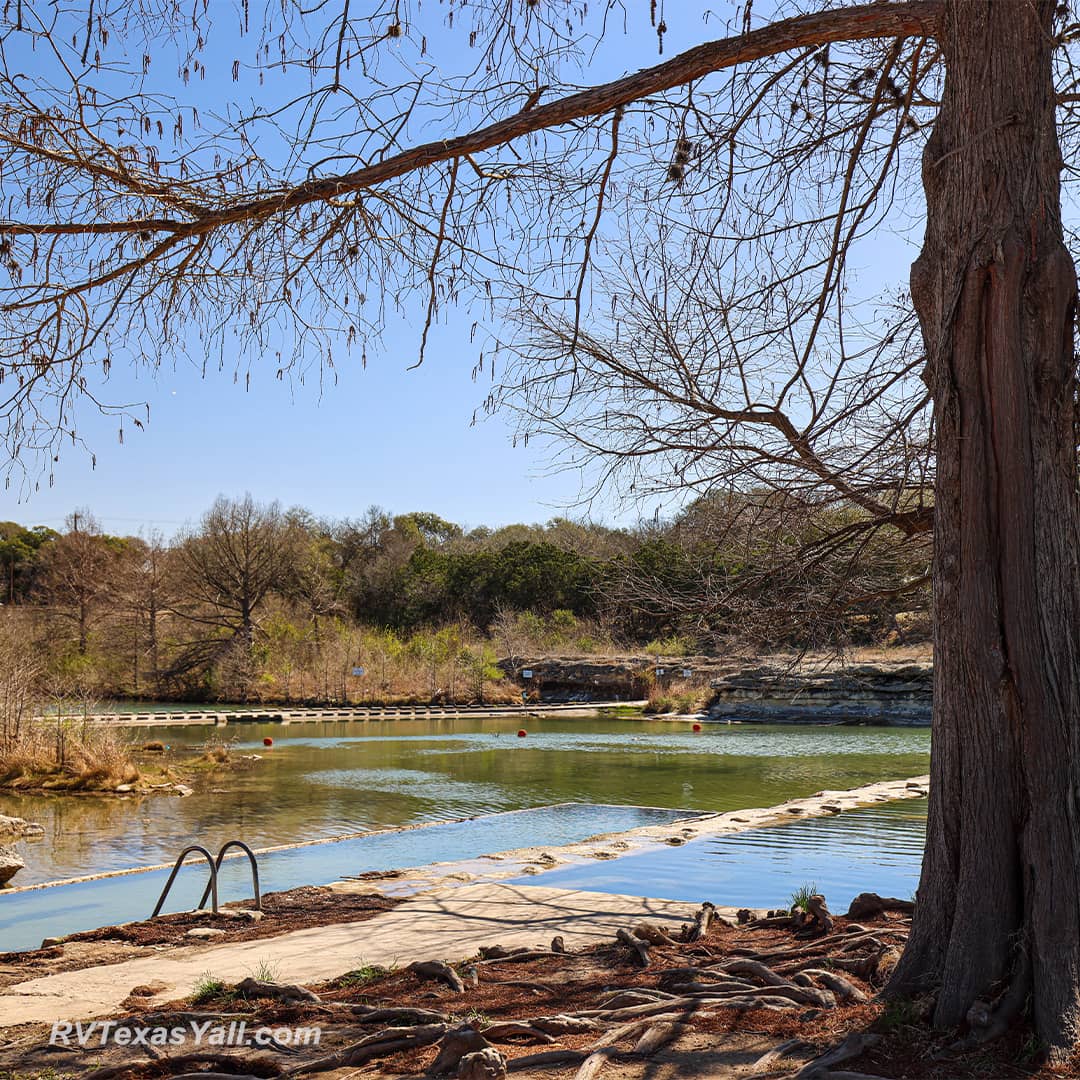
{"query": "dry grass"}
pixel 677 697
pixel 65 755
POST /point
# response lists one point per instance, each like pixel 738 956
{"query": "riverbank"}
pixel 449 911
pixel 673 995
pixel 540 982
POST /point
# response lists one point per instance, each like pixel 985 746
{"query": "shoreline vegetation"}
pixel 256 604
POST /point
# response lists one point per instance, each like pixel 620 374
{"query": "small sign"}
pixel 661 671
pixel 358 671
pixel 527 673
pixel 687 672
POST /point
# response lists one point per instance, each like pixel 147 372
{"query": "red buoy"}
pixel 522 733
pixel 268 741
pixel 697 727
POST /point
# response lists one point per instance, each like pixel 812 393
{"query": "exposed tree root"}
pixel 767 1060
pixel 633 1019
pixel 256 988
pixel 370 1014
pixel 454 1046
pixel 869 905
pixel 636 945
pixel 855 1045
pixel 260 1067
pixel 659 1035
pixel 486 1064
pixel 437 970
pixel 700 926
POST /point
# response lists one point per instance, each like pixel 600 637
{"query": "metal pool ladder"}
pixel 215 866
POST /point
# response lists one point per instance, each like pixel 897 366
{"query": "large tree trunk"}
pixel 999 899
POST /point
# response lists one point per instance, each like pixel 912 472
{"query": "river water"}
pixel 322 780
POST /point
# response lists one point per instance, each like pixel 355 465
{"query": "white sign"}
pixel 358 671
pixel 687 672
pixel 527 673
pixel 660 671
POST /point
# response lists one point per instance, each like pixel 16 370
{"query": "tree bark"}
pixel 995 290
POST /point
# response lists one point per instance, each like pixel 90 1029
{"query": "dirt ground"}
pixel 294 909
pixel 766 999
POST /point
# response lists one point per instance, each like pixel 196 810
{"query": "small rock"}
pixel 205 933
pixel 148 989
pixel 240 914
pixel 49 942
pixel 532 870
pixel 183 790
pixel 11 862
pixel 675 841
pixel 603 854
pixel 831 808
pixel 123 789
pixel 795 810
pixel 17 826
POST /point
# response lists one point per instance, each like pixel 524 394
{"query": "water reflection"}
pixel 326 779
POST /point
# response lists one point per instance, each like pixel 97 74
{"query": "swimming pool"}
pixel 29 916
pixel 875 849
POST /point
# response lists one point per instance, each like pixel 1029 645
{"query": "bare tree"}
pixel 135 224
pixel 241 552
pixel 78 575
pixel 145 590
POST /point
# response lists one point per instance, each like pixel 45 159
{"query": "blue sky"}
pixel 385 435
pixel 403 439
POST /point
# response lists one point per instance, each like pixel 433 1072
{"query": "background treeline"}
pixel 254 602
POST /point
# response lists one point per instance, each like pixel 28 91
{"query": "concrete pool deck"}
pixel 447 924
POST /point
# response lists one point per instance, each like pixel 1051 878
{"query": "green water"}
pixel 322 780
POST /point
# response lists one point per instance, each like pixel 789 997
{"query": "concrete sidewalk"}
pixel 448 924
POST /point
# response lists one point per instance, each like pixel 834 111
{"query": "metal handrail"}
pixel 254 870
pixel 176 869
